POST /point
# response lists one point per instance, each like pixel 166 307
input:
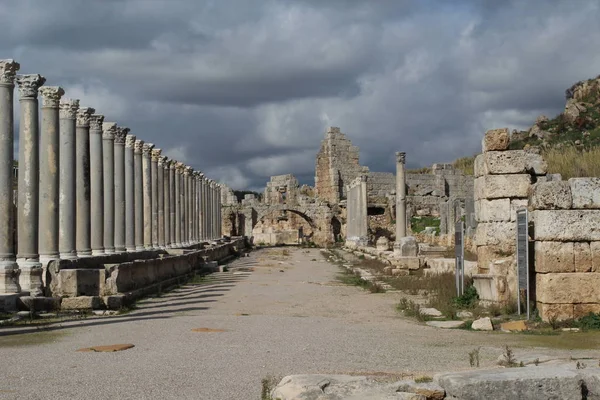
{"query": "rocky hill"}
pixel 578 125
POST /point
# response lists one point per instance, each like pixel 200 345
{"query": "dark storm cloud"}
pixel 245 89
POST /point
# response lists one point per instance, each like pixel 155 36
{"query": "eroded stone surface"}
pixel 550 196
pixel 502 186
pixel 567 225
pixel 495 139
pixel 586 192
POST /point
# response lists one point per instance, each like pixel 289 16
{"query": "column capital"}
pixel 84 114
pixel 130 141
pixel 163 162
pixel 363 178
pixel 96 121
pixel 187 171
pixel 147 148
pixel 51 96
pixel 155 154
pixel 108 130
pixel 173 164
pixel 179 166
pixel 29 85
pixel 401 157
pixel 68 108
pixel 8 71
pixel 120 134
pixel 201 175
pixel 138 145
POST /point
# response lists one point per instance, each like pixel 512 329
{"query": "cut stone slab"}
pixel 502 186
pixel 108 349
pixel 430 312
pixel 541 382
pixel 550 196
pixel 431 391
pixel 446 324
pixel 586 192
pixel 482 324
pixel 567 225
pixel 464 314
pixel 311 387
pixel 495 140
pixel 513 326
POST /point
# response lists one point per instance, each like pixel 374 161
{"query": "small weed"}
pixel 589 322
pixel 494 310
pixel 361 257
pixel 554 323
pixel 423 379
pixel 314 259
pixel 410 309
pixel 468 299
pixel 376 288
pixel 267 385
pixel 580 365
pixel 509 358
pixel 536 362
pixel 474 357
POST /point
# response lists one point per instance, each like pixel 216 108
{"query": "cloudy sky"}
pixel 245 89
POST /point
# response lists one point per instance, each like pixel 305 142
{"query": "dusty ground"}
pixel 288 316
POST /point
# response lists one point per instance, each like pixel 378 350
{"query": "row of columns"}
pixel 93 189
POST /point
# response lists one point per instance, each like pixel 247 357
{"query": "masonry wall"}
pixel 566 218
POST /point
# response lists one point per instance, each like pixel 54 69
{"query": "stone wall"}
pixel 503 180
pixel 566 218
pixel 282 189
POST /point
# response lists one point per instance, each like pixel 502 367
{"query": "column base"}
pixel 31 277
pixel 9 277
pixel 84 253
pixel 98 252
pixel 406 247
pixel 131 249
pixel 68 256
pixel 139 247
pixel 109 250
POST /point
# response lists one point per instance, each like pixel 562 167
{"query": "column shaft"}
pixel 108 160
pixel 129 193
pixel 201 206
pixel 28 189
pixel 147 181
pixel 172 200
pixel 97 184
pixel 83 242
pixel 161 201
pixel 139 195
pixel 49 143
pixel 120 189
pixel 400 196
pixel 178 205
pixel 66 172
pixel 154 155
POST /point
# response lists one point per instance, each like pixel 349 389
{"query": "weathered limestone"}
pixel 502 186
pixel 130 243
pixel 28 193
pixel 496 139
pixel 9 269
pixel 567 225
pixel 96 185
pixel 66 203
pixel 203 215
pixel 109 129
pixel 400 196
pixel 357 231
pixel 161 200
pixel 551 195
pixel 83 242
pixel 511 162
pixel 172 203
pixel 119 158
pixel 138 194
pixel 178 173
pixel 585 192
pixel 154 156
pixel 147 182
pixel 49 183
pixel 187 204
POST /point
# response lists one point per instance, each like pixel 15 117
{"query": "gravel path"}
pixel 288 316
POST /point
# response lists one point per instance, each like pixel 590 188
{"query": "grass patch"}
pixel 571 162
pixel 423 379
pixel 418 224
pixel 465 165
pixel 353 279
pixel 267 385
pixel 31 339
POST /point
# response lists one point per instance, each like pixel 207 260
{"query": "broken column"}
pixel 83 243
pixel 96 185
pixel 154 155
pixel 66 204
pixel 130 244
pixel 49 145
pixel 138 195
pixel 404 246
pixel 9 269
pixel 28 257
pixel 109 130
pixel 147 182
pixel 119 157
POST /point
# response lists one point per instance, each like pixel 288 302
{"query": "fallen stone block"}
pixel 513 326
pixel 482 324
pixel 406 247
pixel 30 303
pixel 430 312
pixel 81 303
pixel 446 324
pixel 495 140
pixel 115 302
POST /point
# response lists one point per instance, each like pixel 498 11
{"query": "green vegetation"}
pixel 423 379
pixel 418 224
pixel 348 277
pixel 468 299
pixel 465 164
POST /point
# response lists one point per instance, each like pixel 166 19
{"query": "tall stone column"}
pixel 403 245
pixel 178 174
pixel 363 219
pixel 154 155
pixel 66 172
pixel 120 136
pixel 193 206
pixel 147 182
pixel 130 227
pixel 83 243
pixel 185 207
pixel 201 203
pixel 208 210
pixel 189 202
pixel 167 200
pixel 211 205
pixel 197 206
pixel 97 184
pixel 109 129
pixel 172 203
pixel 49 143
pixel 219 212
pixel 138 194
pixel 161 201
pixel 9 269
pixel 28 193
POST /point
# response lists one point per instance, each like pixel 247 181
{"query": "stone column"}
pixel 66 172
pixel 185 207
pixel 49 142
pixel 363 219
pixel 201 203
pixel 172 203
pixel 96 185
pixel 208 211
pixel 161 201
pixel 178 172
pixel 193 195
pixel 219 212
pixel 190 211
pixel 120 189
pixel 155 154
pixel 147 182
pixel 9 269
pixel 211 209
pixel 138 195
pixel 167 200
pixel 109 129
pixel 130 183
pixel 405 246
pixel 83 243
pixel 28 257
pixel 197 206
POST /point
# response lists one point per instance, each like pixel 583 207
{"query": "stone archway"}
pixel 283 225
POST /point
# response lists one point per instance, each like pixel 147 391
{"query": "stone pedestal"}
pixel 28 194
pixel 406 247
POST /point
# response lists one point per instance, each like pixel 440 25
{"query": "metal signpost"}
pixel 522 259
pixel 459 256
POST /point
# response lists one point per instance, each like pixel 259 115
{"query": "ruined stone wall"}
pixel 228 197
pixel 566 218
pixel 281 189
pixel 337 165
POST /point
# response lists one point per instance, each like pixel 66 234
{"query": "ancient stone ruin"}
pixel 101 216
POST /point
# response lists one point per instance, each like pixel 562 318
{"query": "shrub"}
pixel 468 299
